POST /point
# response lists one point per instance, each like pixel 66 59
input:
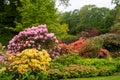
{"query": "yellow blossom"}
pixel 23 68
pixel 35 61
pixel 18 54
pixel 10 56
pixel 15 63
pixel 29 59
pixel 48 59
pixel 2 69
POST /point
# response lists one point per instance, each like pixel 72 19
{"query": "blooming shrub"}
pixel 76 46
pixel 73 47
pixel 35 37
pixel 56 52
pixel 28 60
pixel 93 48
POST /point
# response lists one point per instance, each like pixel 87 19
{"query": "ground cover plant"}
pixel 71 66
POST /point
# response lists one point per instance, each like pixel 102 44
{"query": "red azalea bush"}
pixel 73 47
pixel 86 47
pixel 35 37
pixel 76 46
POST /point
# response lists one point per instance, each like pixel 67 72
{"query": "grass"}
pixel 99 78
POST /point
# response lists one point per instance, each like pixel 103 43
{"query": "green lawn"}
pixel 99 78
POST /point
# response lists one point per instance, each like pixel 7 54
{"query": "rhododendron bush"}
pixel 35 37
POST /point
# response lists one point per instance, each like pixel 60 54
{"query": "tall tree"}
pixel 72 19
pixel 92 16
pixel 85 12
pixel 117 10
pixel 34 12
pixel 11 15
pixel 89 16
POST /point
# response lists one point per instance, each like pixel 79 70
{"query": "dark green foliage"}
pixel 115 54
pixel 6 76
pixel 5 36
pixel 8 15
pixel 89 16
pixel 72 19
pixel 27 76
pixel 111 41
pixel 101 18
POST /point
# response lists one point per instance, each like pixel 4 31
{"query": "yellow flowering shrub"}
pixel 2 69
pixel 28 60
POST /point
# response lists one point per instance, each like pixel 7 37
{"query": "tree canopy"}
pixel 89 16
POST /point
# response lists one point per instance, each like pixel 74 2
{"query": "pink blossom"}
pixel 41 36
pixel 50 35
pixel 56 41
pixel 29 45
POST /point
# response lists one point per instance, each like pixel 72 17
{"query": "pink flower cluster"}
pixel 35 37
pixel 56 52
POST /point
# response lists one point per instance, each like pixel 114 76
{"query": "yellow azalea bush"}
pixel 2 69
pixel 28 60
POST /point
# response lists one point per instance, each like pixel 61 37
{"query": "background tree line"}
pixel 89 16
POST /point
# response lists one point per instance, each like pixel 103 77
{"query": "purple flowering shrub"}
pixel 35 37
